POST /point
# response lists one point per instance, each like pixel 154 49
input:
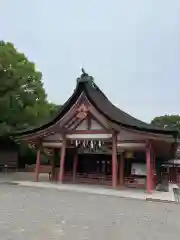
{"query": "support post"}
pixel 114 160
pixel 148 169
pixel 121 170
pixel 153 169
pixel 53 165
pixel 38 153
pixel 62 159
pixel 75 163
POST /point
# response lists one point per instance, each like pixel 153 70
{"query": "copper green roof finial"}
pixel 83 71
pixel 84 74
pixel 84 77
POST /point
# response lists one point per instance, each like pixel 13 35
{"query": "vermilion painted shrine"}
pixel 92 141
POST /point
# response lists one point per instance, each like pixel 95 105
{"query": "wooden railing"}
pixel 43 168
pixel 94 178
pixel 134 182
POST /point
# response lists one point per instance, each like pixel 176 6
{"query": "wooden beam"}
pixel 71 121
pixel 77 123
pixel 93 117
pixel 89 132
pixel 95 113
pixel 131 141
pixel 89 122
pixel 52 141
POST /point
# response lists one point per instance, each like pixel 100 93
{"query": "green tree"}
pixel 167 122
pixel 53 109
pixel 23 101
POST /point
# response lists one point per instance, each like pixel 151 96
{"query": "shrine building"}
pixel 92 141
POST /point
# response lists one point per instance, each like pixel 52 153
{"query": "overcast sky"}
pixel 130 47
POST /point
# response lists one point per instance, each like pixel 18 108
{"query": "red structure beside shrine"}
pixel 92 141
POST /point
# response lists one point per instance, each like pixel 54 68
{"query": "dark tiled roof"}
pixel 115 114
pixel 103 105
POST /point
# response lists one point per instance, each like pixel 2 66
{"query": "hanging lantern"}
pixel 129 155
pixel 48 151
pixel 31 145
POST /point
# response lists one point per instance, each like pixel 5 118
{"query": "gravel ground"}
pixel 35 213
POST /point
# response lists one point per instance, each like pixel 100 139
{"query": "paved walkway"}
pixel 27 179
pixel 127 193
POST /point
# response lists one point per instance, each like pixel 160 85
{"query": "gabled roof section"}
pixel 99 100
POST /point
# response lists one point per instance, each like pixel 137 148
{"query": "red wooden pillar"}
pixel 121 170
pixel 153 170
pixel 148 169
pixel 62 159
pixel 38 153
pixel 114 160
pixel 53 165
pixel 75 163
